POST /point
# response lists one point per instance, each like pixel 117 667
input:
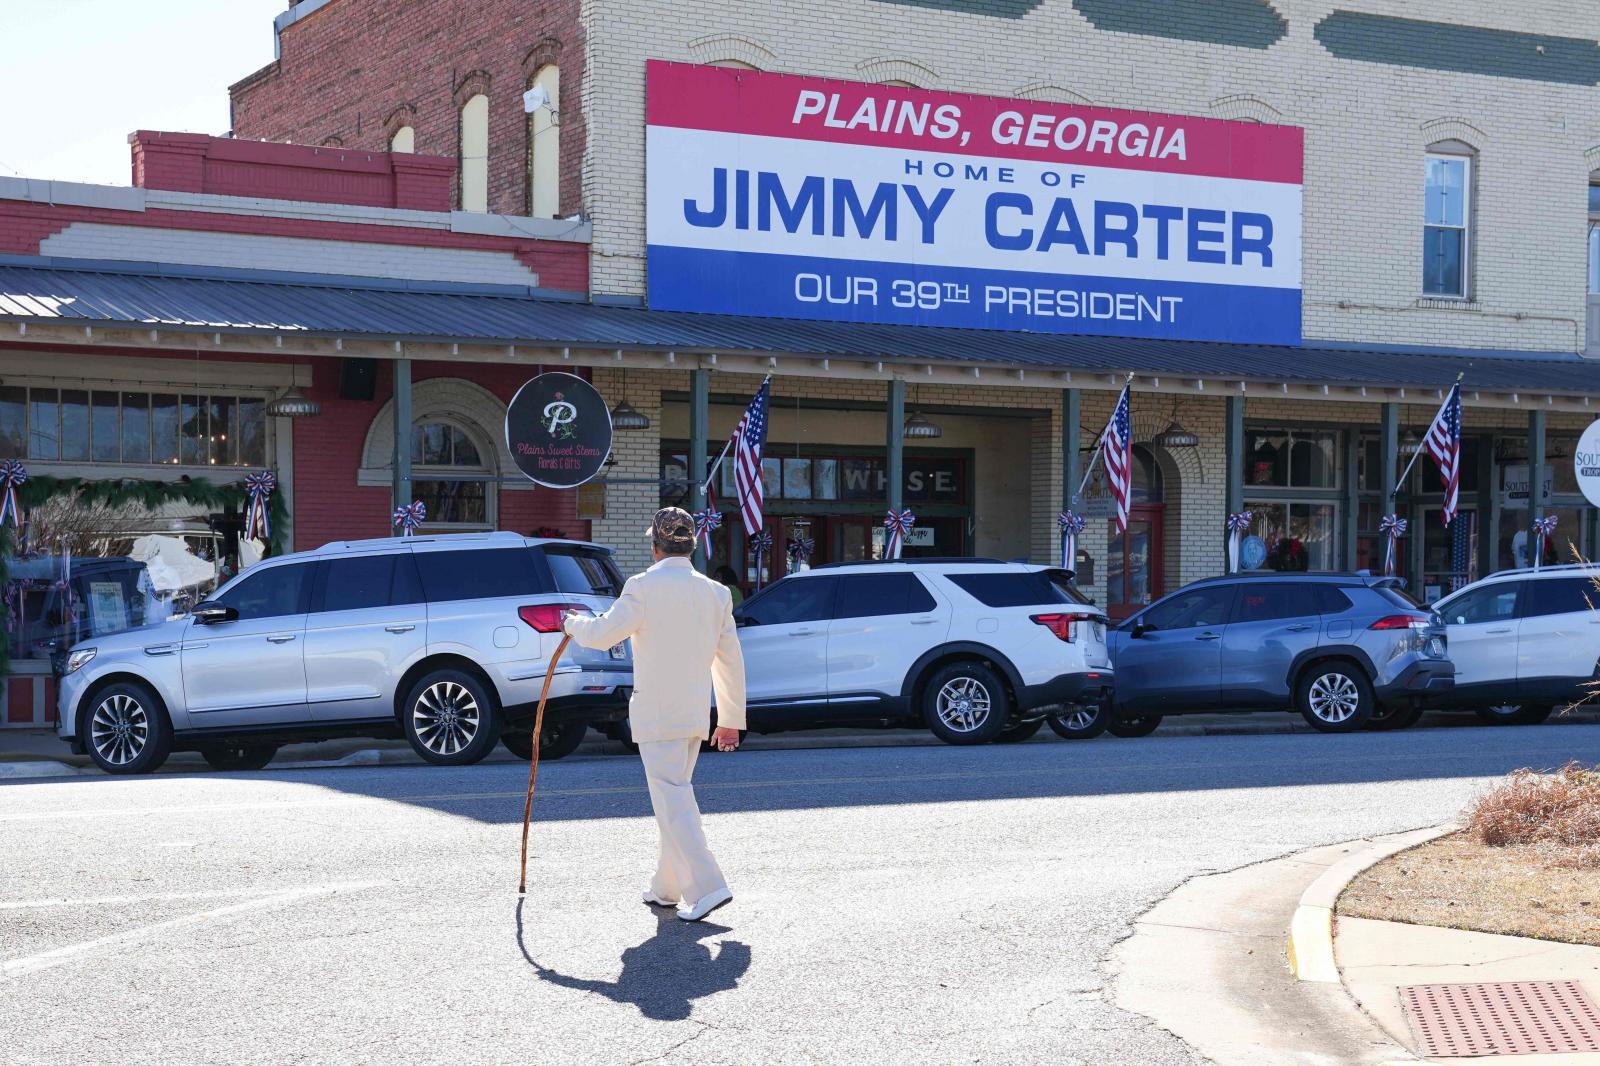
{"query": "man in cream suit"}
pixel 684 647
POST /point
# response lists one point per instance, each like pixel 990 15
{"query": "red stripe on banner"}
pixel 730 100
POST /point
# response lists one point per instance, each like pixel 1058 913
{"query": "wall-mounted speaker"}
pixel 357 377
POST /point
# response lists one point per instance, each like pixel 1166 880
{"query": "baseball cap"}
pixel 673 530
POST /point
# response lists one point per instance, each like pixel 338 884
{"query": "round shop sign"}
pixel 1586 463
pixel 1252 553
pixel 558 430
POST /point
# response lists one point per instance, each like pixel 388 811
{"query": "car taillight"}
pixel 1061 624
pixel 1400 621
pixel 546 617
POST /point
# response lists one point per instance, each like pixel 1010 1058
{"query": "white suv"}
pixel 1524 642
pixel 977 650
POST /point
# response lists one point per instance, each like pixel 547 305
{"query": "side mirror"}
pixel 1139 629
pixel 741 621
pixel 209 614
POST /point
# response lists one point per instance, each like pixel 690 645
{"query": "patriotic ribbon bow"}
pixel 1542 528
pixel 1393 527
pixel 13 475
pixel 897 525
pixel 761 544
pixel 410 517
pixel 705 522
pixel 259 487
pixel 1237 523
pixel 1069 525
pixel 801 548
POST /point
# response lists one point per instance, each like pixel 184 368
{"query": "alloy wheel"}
pixel 1334 698
pixel 446 717
pixel 119 729
pixel 963 704
pixel 1081 718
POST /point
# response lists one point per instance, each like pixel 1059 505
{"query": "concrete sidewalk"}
pixel 1376 959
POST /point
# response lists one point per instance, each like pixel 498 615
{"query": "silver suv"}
pixel 443 640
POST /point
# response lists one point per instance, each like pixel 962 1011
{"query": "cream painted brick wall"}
pixel 1366 128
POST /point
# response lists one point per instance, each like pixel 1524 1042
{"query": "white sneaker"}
pixel 705 905
pixel 656 901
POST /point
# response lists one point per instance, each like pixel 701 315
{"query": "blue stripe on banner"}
pixel 785 286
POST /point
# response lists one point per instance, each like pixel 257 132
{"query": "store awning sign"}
pixel 558 430
pixel 798 197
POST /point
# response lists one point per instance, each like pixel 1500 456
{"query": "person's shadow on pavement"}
pixel 664 975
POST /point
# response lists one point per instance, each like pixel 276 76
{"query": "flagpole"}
pixel 1099 446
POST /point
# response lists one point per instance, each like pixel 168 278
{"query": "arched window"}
pixel 544 145
pixel 1147 485
pixel 475 154
pixel 441 453
pixel 404 140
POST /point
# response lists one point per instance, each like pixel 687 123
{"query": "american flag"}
pixel 1444 444
pixel 1117 445
pixel 748 441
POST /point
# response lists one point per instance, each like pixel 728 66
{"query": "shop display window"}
pixel 102 426
pixel 1291 536
pixel 1293 458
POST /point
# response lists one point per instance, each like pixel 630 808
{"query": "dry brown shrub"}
pixel 1557 815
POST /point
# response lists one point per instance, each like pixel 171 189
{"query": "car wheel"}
pixel 624 736
pixel 1142 726
pixel 1084 722
pixel 126 730
pixel 966 703
pixel 238 756
pixel 450 719
pixel 1515 713
pixel 1387 718
pixel 1334 697
pixel 1021 731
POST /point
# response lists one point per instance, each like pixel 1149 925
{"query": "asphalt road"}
pixel 891 905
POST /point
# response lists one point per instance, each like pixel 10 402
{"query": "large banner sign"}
pixel 794 197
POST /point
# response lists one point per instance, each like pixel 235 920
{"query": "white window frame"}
pixel 1466 161
pixel 484 472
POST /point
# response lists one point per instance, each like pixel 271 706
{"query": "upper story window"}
pixel 107 425
pixel 475 154
pixel 1594 239
pixel 404 140
pixel 1446 233
pixel 544 144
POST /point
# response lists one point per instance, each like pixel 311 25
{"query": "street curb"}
pixel 35 769
pixel 1311 928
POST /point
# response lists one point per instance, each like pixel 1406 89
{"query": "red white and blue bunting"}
pixel 705 522
pixel 897 526
pixel 761 544
pixel 1238 522
pixel 1542 529
pixel 410 517
pixel 1069 525
pixel 1393 527
pixel 800 549
pixel 13 475
pixel 258 486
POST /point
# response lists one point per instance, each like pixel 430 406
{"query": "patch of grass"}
pixel 1554 816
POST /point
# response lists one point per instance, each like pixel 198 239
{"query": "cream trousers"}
pixel 686 870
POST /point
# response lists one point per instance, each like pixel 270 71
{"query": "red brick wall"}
pixel 328 505
pixel 355 70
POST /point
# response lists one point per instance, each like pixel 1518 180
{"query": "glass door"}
pixel 1133 563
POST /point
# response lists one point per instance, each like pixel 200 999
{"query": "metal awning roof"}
pixel 229 303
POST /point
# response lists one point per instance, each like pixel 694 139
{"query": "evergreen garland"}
pixel 122 492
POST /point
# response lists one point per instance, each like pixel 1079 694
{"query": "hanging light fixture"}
pixel 1175 436
pixel 1411 445
pixel 623 416
pixel 919 428
pixel 293 404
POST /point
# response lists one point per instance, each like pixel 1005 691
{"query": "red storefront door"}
pixel 1133 563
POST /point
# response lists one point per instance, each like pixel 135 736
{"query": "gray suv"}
pixel 441 639
pixel 1347 651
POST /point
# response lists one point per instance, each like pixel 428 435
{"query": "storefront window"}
pixel 1449 556
pixel 1290 536
pixel 1514 547
pixel 1292 458
pixel 79 425
pixel 440 447
pixel 827 479
pixel 797 479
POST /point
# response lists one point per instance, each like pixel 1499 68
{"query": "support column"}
pixel 1352 497
pixel 1071 423
pixel 895 431
pixel 1389 435
pixel 1233 449
pixel 403 491
pixel 1488 507
pixel 699 429
pixel 1535 470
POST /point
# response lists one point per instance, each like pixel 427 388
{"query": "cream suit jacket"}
pixel 685 646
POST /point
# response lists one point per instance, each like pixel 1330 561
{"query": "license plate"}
pixel 619 651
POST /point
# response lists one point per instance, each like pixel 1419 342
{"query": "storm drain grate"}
pixel 1502 1018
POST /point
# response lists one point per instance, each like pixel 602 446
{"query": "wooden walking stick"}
pixel 533 762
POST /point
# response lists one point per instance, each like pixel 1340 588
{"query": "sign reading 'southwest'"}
pixel 796 197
